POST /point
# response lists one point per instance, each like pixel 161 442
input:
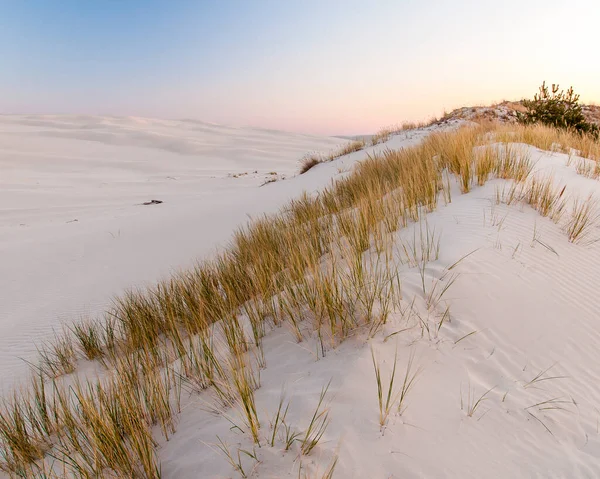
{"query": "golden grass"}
pixel 310 161
pixel 346 149
pixel 551 139
pixel 58 355
pixel 317 425
pixel 385 400
pixel 384 133
pixel 589 168
pixel 583 218
pixel 543 196
pixel 325 258
pixel 313 159
pixel 89 339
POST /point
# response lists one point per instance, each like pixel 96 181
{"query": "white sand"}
pixel 529 297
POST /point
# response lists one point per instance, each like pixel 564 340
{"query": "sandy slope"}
pixel 523 322
pixel 529 298
pixel 73 232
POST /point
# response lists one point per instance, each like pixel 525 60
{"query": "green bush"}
pixel 557 108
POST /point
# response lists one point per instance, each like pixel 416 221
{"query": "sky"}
pixel 311 66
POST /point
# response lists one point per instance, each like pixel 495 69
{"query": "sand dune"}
pixel 507 382
pixel 523 328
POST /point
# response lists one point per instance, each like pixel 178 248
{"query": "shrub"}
pixel 557 108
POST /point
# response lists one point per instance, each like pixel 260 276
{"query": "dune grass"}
pixel 387 395
pixel 323 258
pixel 58 355
pixel 385 133
pixel 551 139
pixel 317 425
pixel 385 399
pixel 583 218
pixel 313 159
pixel 88 336
pixel 309 161
pixel 350 147
pixel 473 402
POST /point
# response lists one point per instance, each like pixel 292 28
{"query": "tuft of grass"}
pixel 386 400
pixel 408 382
pixel 89 338
pixel 279 419
pixel 244 384
pixel 382 135
pixel 485 163
pixel 317 426
pixel 545 198
pixel 290 435
pixel 473 403
pixel 386 395
pixel 512 163
pixel 351 147
pixel 57 357
pixel 313 159
pixel 582 219
pixel 587 168
pixel 21 443
pixel 236 460
pixel 424 249
pixel 310 161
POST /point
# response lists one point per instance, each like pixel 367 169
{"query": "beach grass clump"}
pixel 89 338
pixel 57 356
pixel 583 218
pixel 473 401
pixel 311 160
pixel 350 147
pixel 387 394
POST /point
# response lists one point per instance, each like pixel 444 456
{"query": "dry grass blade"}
pixel 279 419
pixel 410 378
pixel 317 426
pixel 464 337
pixel 235 461
pixel 541 377
pixel 549 404
pixel 386 400
pixel 472 402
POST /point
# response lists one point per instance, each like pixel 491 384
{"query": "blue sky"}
pixel 327 67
